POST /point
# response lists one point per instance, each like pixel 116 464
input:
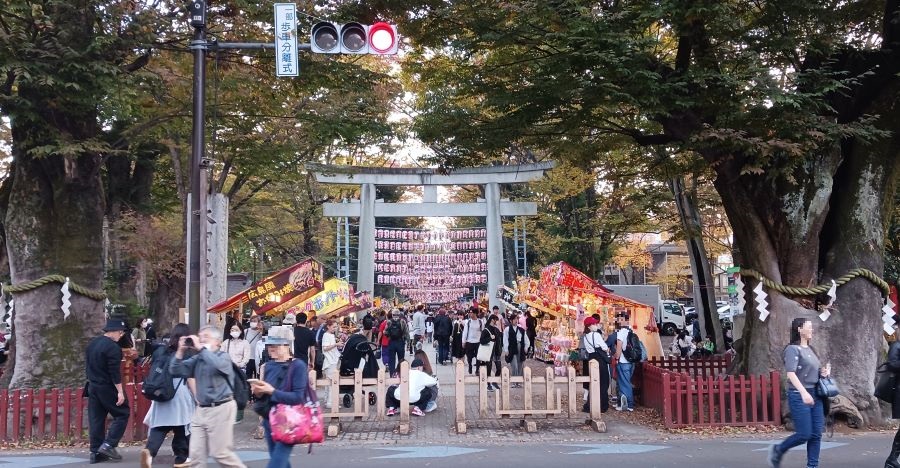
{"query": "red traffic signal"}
pixel 383 39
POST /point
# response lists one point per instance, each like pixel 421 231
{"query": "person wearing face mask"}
pixel 212 430
pixel 597 350
pixel 139 337
pixel 239 351
pixel 332 357
pixel 253 336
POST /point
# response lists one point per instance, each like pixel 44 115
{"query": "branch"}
pixel 251 194
pixel 6 89
pixel 139 62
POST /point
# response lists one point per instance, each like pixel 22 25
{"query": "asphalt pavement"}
pixel 858 451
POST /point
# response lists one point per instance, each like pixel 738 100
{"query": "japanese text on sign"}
pixel 286 59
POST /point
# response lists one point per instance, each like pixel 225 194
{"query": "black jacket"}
pixel 893 364
pixel 492 333
pixel 442 326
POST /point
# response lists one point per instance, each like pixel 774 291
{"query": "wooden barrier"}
pixel 697 367
pixel 61 414
pixel 723 400
pixel 552 385
pixel 361 408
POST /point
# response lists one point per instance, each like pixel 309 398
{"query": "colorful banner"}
pixel 291 284
pixel 336 294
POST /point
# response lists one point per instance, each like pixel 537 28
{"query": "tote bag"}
pixel 486 350
pixel 297 424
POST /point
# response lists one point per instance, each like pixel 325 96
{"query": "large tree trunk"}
pixel 53 226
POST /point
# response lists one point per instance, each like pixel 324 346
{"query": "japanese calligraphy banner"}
pixel 286 55
pixel 335 295
pixel 298 282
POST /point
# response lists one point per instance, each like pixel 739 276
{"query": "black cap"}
pixel 417 363
pixel 114 325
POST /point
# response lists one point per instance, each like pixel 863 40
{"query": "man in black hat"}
pixel 104 389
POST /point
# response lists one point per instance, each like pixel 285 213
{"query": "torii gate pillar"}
pixel 365 266
pixel 494 227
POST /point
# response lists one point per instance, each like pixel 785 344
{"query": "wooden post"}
pixel 359 395
pixel 404 398
pixel 381 391
pixel 550 383
pixel 460 397
pixel 482 391
pixel 570 375
pixel 594 390
pixel 504 392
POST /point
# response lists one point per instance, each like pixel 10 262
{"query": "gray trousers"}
pixel 515 367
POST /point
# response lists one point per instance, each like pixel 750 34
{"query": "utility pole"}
pixel 197 259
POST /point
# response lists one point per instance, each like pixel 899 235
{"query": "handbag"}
pixel 886 386
pixel 826 388
pixel 297 424
pixel 485 351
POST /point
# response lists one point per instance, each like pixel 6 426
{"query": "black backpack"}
pixel 158 384
pixel 632 351
pixel 240 388
pixel 394 330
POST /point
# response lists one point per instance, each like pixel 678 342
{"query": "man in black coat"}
pixel 443 328
pixel 103 357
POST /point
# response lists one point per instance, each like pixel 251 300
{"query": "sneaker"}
pixel 417 412
pixel 391 411
pixel 146 459
pixel 182 463
pixel 774 458
pixel 109 452
pixel 432 405
pixel 490 388
pixel 631 410
pixel 496 386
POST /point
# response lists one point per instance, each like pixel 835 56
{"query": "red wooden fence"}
pixel 710 400
pixel 702 367
pixel 62 413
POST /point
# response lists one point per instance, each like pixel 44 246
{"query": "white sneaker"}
pixel 432 405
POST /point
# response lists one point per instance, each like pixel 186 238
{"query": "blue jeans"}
pixel 279 454
pixel 443 348
pixel 808 424
pixel 624 371
pixel 396 349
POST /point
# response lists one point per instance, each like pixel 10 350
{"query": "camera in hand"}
pixel 189 342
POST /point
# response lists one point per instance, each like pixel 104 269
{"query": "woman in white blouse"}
pixel 332 357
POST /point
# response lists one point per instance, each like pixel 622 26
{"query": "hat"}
pixel 396 313
pixel 114 325
pixel 417 363
pixel 279 335
pixel 289 318
pixel 590 321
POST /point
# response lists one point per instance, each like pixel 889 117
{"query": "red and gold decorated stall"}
pixel 564 296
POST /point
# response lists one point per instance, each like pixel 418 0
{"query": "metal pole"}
pixel 524 248
pixel 199 46
pixel 347 247
pixel 337 247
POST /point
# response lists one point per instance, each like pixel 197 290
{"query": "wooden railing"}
pixel 61 414
pixel 361 408
pixel 696 367
pixel 552 387
pixel 716 400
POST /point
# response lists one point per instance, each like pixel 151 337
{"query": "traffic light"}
pixel 353 38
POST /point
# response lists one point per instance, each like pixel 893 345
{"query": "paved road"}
pixel 864 451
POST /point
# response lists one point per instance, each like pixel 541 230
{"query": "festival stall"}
pixel 336 300
pixel 276 293
pixel 562 297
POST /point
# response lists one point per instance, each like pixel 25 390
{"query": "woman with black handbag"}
pixel 890 382
pixel 803 369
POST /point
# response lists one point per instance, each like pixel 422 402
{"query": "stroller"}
pixel 356 350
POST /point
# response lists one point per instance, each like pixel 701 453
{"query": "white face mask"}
pixel 235 334
pixel 253 325
pixel 208 346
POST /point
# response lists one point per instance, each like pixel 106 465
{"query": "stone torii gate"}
pixel 367 208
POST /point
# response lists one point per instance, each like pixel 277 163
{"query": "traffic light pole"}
pixel 197 258
pixel 198 148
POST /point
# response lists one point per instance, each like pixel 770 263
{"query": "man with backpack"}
pixel 628 352
pixel 212 427
pixel 443 328
pixel 396 332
